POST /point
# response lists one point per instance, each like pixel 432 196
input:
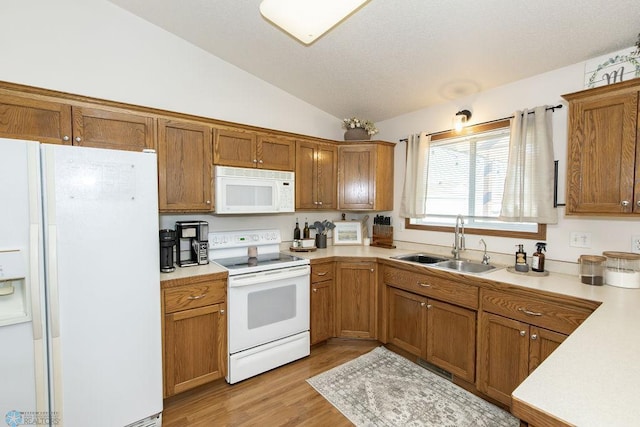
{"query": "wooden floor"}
pixel 280 397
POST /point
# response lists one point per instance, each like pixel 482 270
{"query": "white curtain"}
pixel 414 193
pixel 528 187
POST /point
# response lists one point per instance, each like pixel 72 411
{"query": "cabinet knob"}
pixel 534 337
pixel 429 306
pixel 625 203
pixel 315 203
pixel 372 270
pixel 320 203
pixel 221 311
pixel 78 139
pixel 255 160
pixel 260 161
pixel 422 304
pixel 638 203
pixel 523 333
pixel 65 138
pixel 208 202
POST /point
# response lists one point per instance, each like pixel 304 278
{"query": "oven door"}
pixel 267 306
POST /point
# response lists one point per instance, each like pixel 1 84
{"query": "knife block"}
pixel 383 236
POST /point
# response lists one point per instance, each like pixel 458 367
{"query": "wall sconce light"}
pixel 460 119
pixel 307 20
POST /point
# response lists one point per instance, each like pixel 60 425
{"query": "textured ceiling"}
pixel 396 56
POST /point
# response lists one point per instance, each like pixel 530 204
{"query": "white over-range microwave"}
pixel 245 191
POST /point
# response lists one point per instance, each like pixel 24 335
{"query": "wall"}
pixel 543 89
pixel 95 48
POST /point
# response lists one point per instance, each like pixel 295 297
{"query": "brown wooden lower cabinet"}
pixel 195 337
pixel 322 302
pixel 356 300
pixel 441 333
pixel 508 351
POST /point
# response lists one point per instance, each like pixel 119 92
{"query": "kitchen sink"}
pixel 421 258
pixel 465 266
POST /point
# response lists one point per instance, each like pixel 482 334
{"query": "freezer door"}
pixel 102 253
pixel 23 360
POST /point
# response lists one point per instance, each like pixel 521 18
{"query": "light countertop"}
pixel 592 379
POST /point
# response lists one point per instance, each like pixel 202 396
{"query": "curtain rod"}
pixel 553 109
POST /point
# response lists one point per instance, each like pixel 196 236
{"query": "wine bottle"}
pixel 306 232
pixel 296 231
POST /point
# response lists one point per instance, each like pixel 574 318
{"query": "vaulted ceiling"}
pixel 396 56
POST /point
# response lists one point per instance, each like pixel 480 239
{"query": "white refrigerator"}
pixel 80 319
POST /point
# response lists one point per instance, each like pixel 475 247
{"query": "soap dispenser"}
pixel 521 260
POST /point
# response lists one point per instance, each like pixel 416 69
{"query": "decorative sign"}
pixel 613 68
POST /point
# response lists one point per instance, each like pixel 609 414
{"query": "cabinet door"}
pixel 326 173
pixel 407 321
pixel 35 120
pixel 602 155
pixel 235 148
pixel 107 129
pixel 503 356
pixel 306 175
pixel 542 343
pixel 355 300
pixel 322 311
pixel 276 153
pixel 185 180
pixel 194 348
pixel 451 338
pixel 356 177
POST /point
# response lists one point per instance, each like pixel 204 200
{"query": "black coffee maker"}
pixel 167 242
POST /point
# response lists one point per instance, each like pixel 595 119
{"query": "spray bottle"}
pixel 537 259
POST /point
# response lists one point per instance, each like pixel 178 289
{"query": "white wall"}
pixel 543 89
pixel 95 48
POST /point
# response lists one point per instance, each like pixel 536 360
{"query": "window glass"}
pixel 466 176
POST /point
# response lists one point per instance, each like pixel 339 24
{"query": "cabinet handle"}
pixel 315 203
pixel 625 203
pixel 222 312
pixel 78 139
pixel 422 304
pixel 196 297
pixel 529 313
pixel 255 160
pixel 523 333
pixel 315 289
pixel 208 202
pixel 65 138
pixel 372 270
pixel 429 306
pixel 534 337
pixel 424 285
pixel 261 162
pixel 638 203
pixel 322 273
pixel 320 203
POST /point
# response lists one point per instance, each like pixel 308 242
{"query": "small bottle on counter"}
pixel 521 260
pixel 296 231
pixel 537 259
pixel 306 232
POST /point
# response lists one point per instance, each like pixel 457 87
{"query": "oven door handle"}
pixel 268 276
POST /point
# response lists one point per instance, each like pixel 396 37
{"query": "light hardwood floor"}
pixel 280 397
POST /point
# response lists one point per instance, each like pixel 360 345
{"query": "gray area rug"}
pixel 381 388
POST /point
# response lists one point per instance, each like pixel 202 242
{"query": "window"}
pixel 466 175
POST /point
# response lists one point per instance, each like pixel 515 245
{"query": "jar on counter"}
pixel 592 269
pixel 623 269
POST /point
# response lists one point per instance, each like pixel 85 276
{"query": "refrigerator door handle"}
pixel 34 281
pixel 54 303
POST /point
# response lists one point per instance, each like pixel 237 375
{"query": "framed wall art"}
pixel 347 233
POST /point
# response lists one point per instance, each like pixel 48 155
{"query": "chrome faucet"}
pixel 458 239
pixel 485 257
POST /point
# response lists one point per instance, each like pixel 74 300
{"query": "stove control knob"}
pixel 255 237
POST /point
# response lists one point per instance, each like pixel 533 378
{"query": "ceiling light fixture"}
pixel 307 20
pixel 460 119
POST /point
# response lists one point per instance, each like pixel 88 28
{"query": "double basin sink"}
pixel 463 266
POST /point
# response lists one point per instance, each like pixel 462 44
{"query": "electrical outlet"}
pixel 580 239
pixel 635 243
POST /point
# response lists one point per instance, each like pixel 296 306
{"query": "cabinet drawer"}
pixel 322 272
pixel 192 296
pixel 554 316
pixel 435 287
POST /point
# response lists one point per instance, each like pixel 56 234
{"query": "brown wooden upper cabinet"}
pixel 316 173
pixel 603 160
pixel 58 123
pixel 185 171
pixel 365 176
pixel 250 150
